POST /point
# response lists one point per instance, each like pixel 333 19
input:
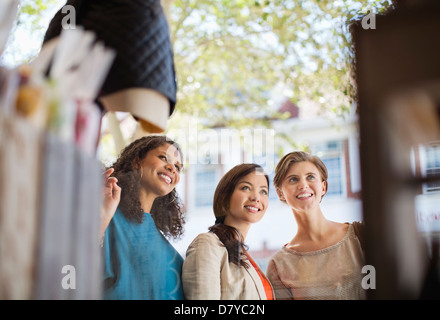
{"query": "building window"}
pixel 205 184
pixel 432 167
pixel 335 175
pixel 332 154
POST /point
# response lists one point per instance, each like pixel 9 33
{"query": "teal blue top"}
pixel 139 263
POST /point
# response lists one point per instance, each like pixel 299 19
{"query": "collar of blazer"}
pixel 256 278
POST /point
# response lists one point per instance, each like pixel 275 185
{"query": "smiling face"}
pixel 160 170
pixel 249 200
pixel 303 187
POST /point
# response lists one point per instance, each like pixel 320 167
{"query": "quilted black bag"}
pixel 138 31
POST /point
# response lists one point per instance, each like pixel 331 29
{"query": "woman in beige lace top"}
pixel 324 259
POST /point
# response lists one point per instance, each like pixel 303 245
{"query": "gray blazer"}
pixel 207 273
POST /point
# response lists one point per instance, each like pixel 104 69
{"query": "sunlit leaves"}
pixel 236 52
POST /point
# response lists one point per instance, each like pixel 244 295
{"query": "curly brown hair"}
pixel 167 211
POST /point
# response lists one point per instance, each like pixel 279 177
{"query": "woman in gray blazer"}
pixel 217 265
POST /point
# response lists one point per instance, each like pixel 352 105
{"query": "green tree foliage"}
pixel 34 8
pixel 231 54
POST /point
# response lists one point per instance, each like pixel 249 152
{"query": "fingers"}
pixel 116 190
pixel 113 189
pixel 108 173
pixel 112 180
pixel 109 181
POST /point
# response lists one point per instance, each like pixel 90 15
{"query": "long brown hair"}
pixel 230 236
pixel 167 211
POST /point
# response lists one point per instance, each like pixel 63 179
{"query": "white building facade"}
pixel 212 152
pixel 334 140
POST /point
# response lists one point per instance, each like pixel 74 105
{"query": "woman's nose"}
pixel 170 167
pixel 303 184
pixel 255 197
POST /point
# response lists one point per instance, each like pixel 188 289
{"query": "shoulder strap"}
pixel 359 230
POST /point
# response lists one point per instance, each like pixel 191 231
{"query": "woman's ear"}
pixel 280 195
pixel 324 188
pixel 137 163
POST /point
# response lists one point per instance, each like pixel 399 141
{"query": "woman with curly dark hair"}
pixel 140 210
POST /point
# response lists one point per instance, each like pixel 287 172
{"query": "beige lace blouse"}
pixel 333 273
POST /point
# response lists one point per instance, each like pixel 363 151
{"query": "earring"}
pixel 142 171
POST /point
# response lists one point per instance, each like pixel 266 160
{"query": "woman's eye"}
pixel 264 192
pixel 245 188
pixel 311 177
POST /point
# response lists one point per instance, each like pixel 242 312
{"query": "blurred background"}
pixel 258 79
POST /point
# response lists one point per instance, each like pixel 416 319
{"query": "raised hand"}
pixel 110 201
